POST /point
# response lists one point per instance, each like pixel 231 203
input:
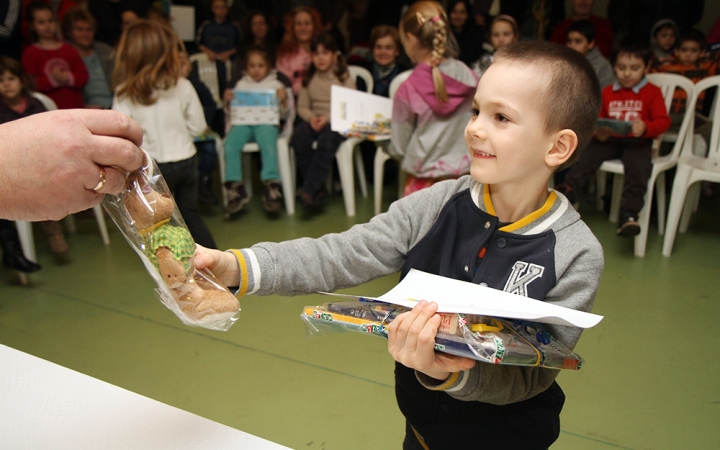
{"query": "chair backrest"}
pixel 47 102
pixel 714 144
pixel 207 72
pixel 397 81
pixel 668 83
pixel 364 74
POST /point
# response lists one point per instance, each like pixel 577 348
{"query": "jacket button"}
pixel 466 268
pixel 487 224
pixel 501 243
pixel 445 407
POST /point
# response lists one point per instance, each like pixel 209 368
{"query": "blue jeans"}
pixel 266 138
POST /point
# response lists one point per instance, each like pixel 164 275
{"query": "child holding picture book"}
pixel 260 75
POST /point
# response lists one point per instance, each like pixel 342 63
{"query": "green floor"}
pixel 650 380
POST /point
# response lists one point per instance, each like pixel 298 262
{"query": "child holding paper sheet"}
pixel 314 164
pixel 260 76
pixel 534 110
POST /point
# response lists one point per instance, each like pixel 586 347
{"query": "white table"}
pixel 46 406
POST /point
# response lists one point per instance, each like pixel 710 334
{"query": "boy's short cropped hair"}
pixel 572 98
pixel 584 27
pixel 634 47
pixel 693 35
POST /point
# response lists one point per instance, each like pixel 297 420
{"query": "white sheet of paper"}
pixel 183 21
pixel 455 296
pixel 348 106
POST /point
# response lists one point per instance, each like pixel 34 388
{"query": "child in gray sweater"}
pixel 534 110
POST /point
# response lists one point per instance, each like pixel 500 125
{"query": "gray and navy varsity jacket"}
pixel 450 229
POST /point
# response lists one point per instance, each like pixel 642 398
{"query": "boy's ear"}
pixel 565 143
pixel 591 44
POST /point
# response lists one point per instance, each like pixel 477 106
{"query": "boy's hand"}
pixel 411 342
pixel 281 94
pixel 229 95
pixel 222 264
pixel 638 128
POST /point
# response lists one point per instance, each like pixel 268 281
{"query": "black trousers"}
pixel 314 165
pixel 636 156
pixel 182 180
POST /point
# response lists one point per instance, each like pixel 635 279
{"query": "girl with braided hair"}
pixel 430 109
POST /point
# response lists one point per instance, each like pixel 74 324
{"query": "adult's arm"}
pixel 51 161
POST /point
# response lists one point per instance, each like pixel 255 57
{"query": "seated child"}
pixel 56 68
pixel 632 99
pixel 689 62
pixel 260 75
pixel 385 46
pixel 663 36
pixel 500 226
pixel 503 30
pixel 581 38
pixel 219 38
pixel 328 68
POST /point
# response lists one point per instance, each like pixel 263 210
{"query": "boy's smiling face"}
pixel 506 134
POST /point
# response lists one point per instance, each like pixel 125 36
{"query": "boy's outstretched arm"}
pixel 411 341
pixel 223 265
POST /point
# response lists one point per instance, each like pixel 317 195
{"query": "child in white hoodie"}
pixel 260 75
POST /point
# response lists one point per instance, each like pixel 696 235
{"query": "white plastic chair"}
pixel 660 164
pixel 691 170
pixel 348 151
pixel 381 155
pixel 207 72
pixel 286 160
pixel 24 228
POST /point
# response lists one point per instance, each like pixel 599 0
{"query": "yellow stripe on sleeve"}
pixel 243 272
pixel 449 382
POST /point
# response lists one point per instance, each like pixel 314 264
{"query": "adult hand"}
pixel 223 265
pixel 411 342
pixel 51 161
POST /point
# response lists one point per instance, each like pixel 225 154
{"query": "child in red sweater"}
pixel 56 67
pixel 631 99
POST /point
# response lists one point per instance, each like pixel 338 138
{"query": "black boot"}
pixel 13 257
pixel 205 193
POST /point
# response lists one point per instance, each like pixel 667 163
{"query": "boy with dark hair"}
pixel 500 226
pixel 689 62
pixel 631 99
pixel 581 38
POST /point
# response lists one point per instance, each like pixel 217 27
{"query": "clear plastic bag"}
pixel 147 215
pixel 486 339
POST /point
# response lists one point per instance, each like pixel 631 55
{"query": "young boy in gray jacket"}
pixel 534 110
